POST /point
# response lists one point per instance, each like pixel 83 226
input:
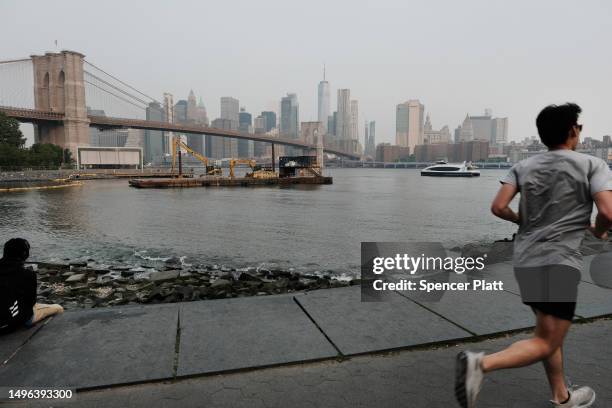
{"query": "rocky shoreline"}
pixel 89 285
pixel 84 285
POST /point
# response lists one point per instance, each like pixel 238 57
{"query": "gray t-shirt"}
pixel 556 204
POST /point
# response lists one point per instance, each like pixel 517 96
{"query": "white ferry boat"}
pixel 443 169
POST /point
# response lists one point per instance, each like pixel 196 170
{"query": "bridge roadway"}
pixel 105 122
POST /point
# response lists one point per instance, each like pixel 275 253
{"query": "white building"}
pixel 324 102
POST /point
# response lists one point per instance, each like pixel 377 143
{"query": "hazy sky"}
pixel 455 56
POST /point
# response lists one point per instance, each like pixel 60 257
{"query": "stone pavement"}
pixel 305 332
pixel 420 378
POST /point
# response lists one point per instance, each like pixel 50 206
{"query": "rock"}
pixel 78 277
pixel 221 284
pixel 248 277
pixel 126 273
pixel 120 268
pixel 54 266
pixel 164 276
pixel 173 260
pixel 78 264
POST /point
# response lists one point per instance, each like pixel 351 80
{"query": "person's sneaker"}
pixel 468 378
pixel 580 397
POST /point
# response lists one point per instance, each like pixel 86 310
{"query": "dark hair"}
pixel 16 249
pixel 555 121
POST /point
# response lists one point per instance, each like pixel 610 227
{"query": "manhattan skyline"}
pixel 464 57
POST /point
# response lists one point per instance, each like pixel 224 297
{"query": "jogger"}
pixel 557 191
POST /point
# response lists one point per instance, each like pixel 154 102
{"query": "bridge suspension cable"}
pixel 114 94
pixel 121 82
pixel 17 83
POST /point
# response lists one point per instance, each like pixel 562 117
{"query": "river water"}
pixel 309 228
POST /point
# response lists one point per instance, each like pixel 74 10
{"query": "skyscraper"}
pixel 192 106
pixel 153 139
pixel 245 147
pixel 354 120
pixel 290 117
pixel 196 114
pixel 270 118
pixel 324 102
pixel 224 147
pixel 230 109
pixel 409 123
pixel 372 138
pixel 168 117
pixel 343 118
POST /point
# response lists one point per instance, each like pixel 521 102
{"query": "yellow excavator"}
pixel 177 143
pixel 256 170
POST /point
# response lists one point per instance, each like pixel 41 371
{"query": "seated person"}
pixel 18 305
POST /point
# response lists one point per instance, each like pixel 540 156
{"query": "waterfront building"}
pixel 499 135
pixel 372 140
pixel 409 123
pixel 431 136
pixel 386 152
pixel 473 150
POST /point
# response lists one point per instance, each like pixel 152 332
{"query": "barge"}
pixel 211 181
pixel 292 170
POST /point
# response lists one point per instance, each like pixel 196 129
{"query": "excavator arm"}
pixel 234 162
pixel 176 143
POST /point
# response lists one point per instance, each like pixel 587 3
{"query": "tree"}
pixel 10 134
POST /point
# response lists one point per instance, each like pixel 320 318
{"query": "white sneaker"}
pixel 468 378
pixel 580 397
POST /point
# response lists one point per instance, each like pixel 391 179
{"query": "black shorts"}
pixel 551 289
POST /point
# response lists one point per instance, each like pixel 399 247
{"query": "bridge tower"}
pixel 59 86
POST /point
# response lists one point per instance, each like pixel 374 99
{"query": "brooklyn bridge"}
pixel 57 100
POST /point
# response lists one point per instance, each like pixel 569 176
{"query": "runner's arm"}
pixel 501 204
pixel 603 222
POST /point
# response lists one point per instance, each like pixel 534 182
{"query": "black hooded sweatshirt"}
pixel 17 294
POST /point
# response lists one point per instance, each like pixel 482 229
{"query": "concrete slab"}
pixel 231 334
pixel 9 343
pixel 358 327
pixel 97 347
pixel 482 312
pixel 593 299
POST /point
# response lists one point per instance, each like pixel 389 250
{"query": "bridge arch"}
pixel 44 92
pixel 60 102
